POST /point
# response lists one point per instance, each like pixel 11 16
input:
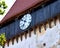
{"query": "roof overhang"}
pixel 19 7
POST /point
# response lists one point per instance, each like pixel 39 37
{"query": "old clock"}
pixel 25 21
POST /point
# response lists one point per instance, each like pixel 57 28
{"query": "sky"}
pixel 9 4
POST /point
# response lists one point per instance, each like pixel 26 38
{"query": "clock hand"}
pixel 22 26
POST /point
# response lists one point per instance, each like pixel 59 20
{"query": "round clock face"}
pixel 25 21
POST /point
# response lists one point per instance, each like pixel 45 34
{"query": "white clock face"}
pixel 25 21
